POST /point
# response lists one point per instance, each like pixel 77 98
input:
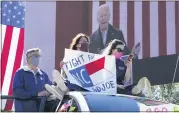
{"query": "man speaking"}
pixel 105 33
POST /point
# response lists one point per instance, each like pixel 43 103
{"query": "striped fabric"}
pixel 12 46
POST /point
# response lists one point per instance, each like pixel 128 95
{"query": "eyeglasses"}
pixel 120 50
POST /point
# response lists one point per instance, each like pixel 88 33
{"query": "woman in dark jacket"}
pixel 123 71
pixel 81 43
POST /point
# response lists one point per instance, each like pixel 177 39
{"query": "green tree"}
pixel 167 92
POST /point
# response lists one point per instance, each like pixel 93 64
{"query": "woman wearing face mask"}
pixel 80 43
pixel 123 73
pixel 116 48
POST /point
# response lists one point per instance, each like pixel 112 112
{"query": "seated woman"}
pixel 123 72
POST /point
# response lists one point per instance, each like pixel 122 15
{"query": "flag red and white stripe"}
pixel 12 46
pixel 11 59
pixel 154 24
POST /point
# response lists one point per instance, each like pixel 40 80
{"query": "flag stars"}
pixel 14 16
pixel 8 20
pixel 4 14
pixel 19 13
pixel 5 5
pixel 15 7
pixel 18 22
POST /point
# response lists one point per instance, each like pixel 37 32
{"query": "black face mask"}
pixel 84 47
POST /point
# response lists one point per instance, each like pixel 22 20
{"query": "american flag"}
pixel 12 46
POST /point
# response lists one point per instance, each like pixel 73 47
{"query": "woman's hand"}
pixel 128 70
pixel 43 93
pixel 61 64
pixel 128 63
pixel 120 86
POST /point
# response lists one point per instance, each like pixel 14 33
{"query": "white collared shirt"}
pixel 26 68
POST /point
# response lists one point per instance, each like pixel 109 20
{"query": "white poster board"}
pixel 93 72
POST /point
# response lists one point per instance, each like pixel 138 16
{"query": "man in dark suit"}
pixel 105 33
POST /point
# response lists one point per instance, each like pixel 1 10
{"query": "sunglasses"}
pixel 120 50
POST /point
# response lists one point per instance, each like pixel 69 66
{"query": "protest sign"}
pixel 93 72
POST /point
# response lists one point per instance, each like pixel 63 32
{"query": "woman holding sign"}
pixel 143 87
pixel 62 84
pixel 81 43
